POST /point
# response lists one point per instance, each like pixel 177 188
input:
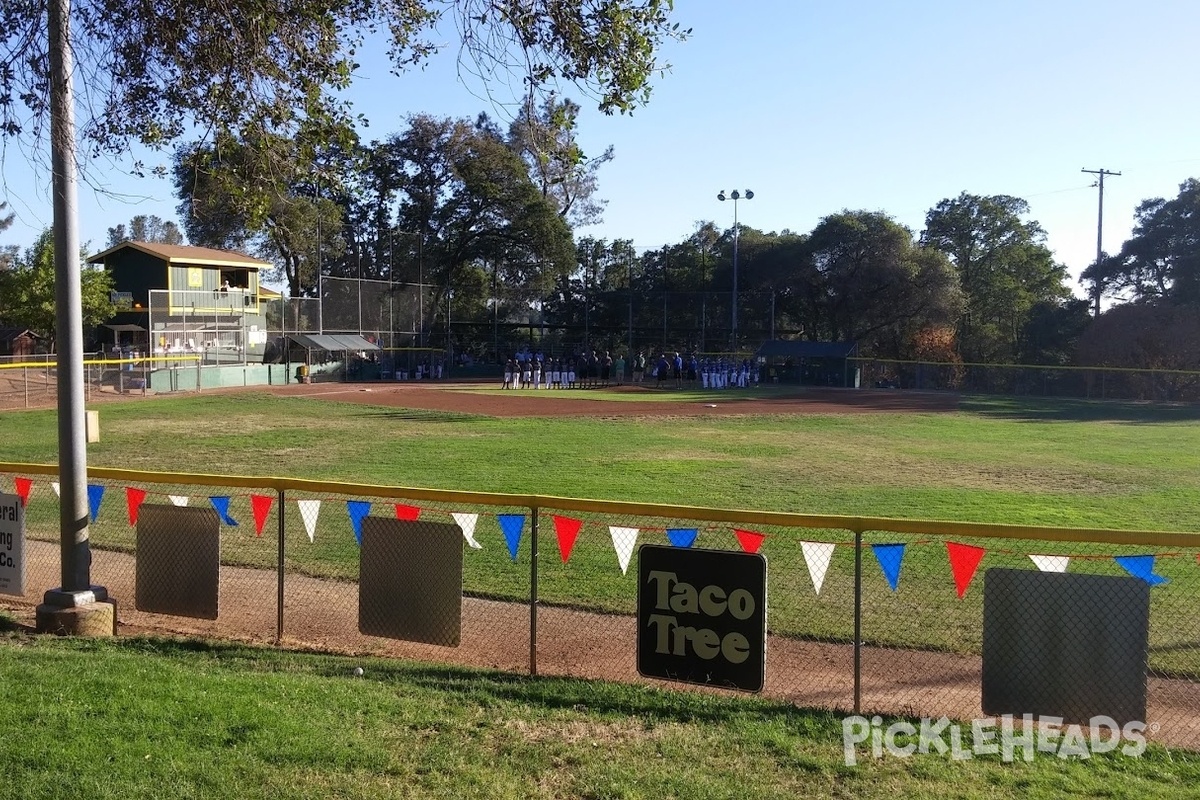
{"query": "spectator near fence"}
pixel 639 368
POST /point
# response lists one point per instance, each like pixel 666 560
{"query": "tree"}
pixel 545 138
pixel 7 253
pixel 156 71
pixel 870 283
pixel 143 228
pixel 1004 268
pixel 1146 336
pixel 27 290
pixel 235 197
pixel 1052 331
pixel 1161 259
pixel 467 195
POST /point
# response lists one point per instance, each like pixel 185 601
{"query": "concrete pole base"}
pixel 93 620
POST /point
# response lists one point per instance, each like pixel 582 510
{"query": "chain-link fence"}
pixel 865 615
pixel 35 385
pixel 1091 383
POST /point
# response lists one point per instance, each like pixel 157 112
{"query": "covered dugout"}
pixel 353 356
pixel 809 363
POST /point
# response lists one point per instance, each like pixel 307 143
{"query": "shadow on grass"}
pixel 1028 409
pixel 420 415
pixel 489 687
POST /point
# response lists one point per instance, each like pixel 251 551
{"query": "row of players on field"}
pixel 584 372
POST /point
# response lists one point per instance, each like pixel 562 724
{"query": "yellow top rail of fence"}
pixel 103 362
pixel 920 527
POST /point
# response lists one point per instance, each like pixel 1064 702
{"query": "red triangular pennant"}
pixel 260 504
pixel 133 501
pixel 750 540
pixel 964 560
pixel 407 513
pixel 23 486
pixel 567 530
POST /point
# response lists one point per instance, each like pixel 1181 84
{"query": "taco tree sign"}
pixel 702 616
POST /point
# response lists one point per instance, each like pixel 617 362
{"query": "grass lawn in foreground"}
pixel 142 717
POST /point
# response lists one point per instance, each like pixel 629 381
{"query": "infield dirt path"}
pixel 467 398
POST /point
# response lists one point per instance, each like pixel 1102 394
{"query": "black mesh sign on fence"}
pixel 411 581
pixel 1069 646
pixel 178 561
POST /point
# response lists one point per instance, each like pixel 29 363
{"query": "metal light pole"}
pixel 75 606
pixel 735 196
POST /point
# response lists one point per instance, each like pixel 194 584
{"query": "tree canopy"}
pixel 27 290
pixel 145 228
pixel 1161 259
pixel 1004 268
pixel 154 72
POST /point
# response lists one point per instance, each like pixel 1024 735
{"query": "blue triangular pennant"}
pixel 1140 567
pixel 221 504
pixel 889 557
pixel 358 509
pixel 95 497
pixel 682 537
pixel 512 525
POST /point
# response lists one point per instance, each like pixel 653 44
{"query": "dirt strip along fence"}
pixel 865 615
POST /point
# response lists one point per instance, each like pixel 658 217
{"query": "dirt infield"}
pixel 619 401
pixel 39 391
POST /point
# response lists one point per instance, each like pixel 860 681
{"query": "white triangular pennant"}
pixel 624 540
pixel 1050 563
pixel 817 556
pixel 54 486
pixel 309 511
pixel 467 523
pixel 179 499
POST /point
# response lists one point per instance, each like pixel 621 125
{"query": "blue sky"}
pixel 823 106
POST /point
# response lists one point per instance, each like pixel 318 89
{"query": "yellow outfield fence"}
pixel 865 614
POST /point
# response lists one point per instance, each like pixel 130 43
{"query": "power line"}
pixel 1099 232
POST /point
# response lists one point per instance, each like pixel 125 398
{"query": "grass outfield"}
pixel 156 718
pixel 1072 464
pixel 1037 462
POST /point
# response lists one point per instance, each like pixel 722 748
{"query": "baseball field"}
pixel 301 725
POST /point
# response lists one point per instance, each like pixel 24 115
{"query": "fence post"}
pixel 533 590
pixel 25 374
pixel 280 571
pixel 857 621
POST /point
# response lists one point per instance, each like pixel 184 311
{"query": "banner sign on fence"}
pixel 702 616
pixel 12 545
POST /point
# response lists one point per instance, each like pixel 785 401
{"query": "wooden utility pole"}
pixel 1099 232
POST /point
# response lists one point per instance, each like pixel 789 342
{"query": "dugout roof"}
pixel 334 343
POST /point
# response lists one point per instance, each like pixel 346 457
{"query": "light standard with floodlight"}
pixel 735 196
